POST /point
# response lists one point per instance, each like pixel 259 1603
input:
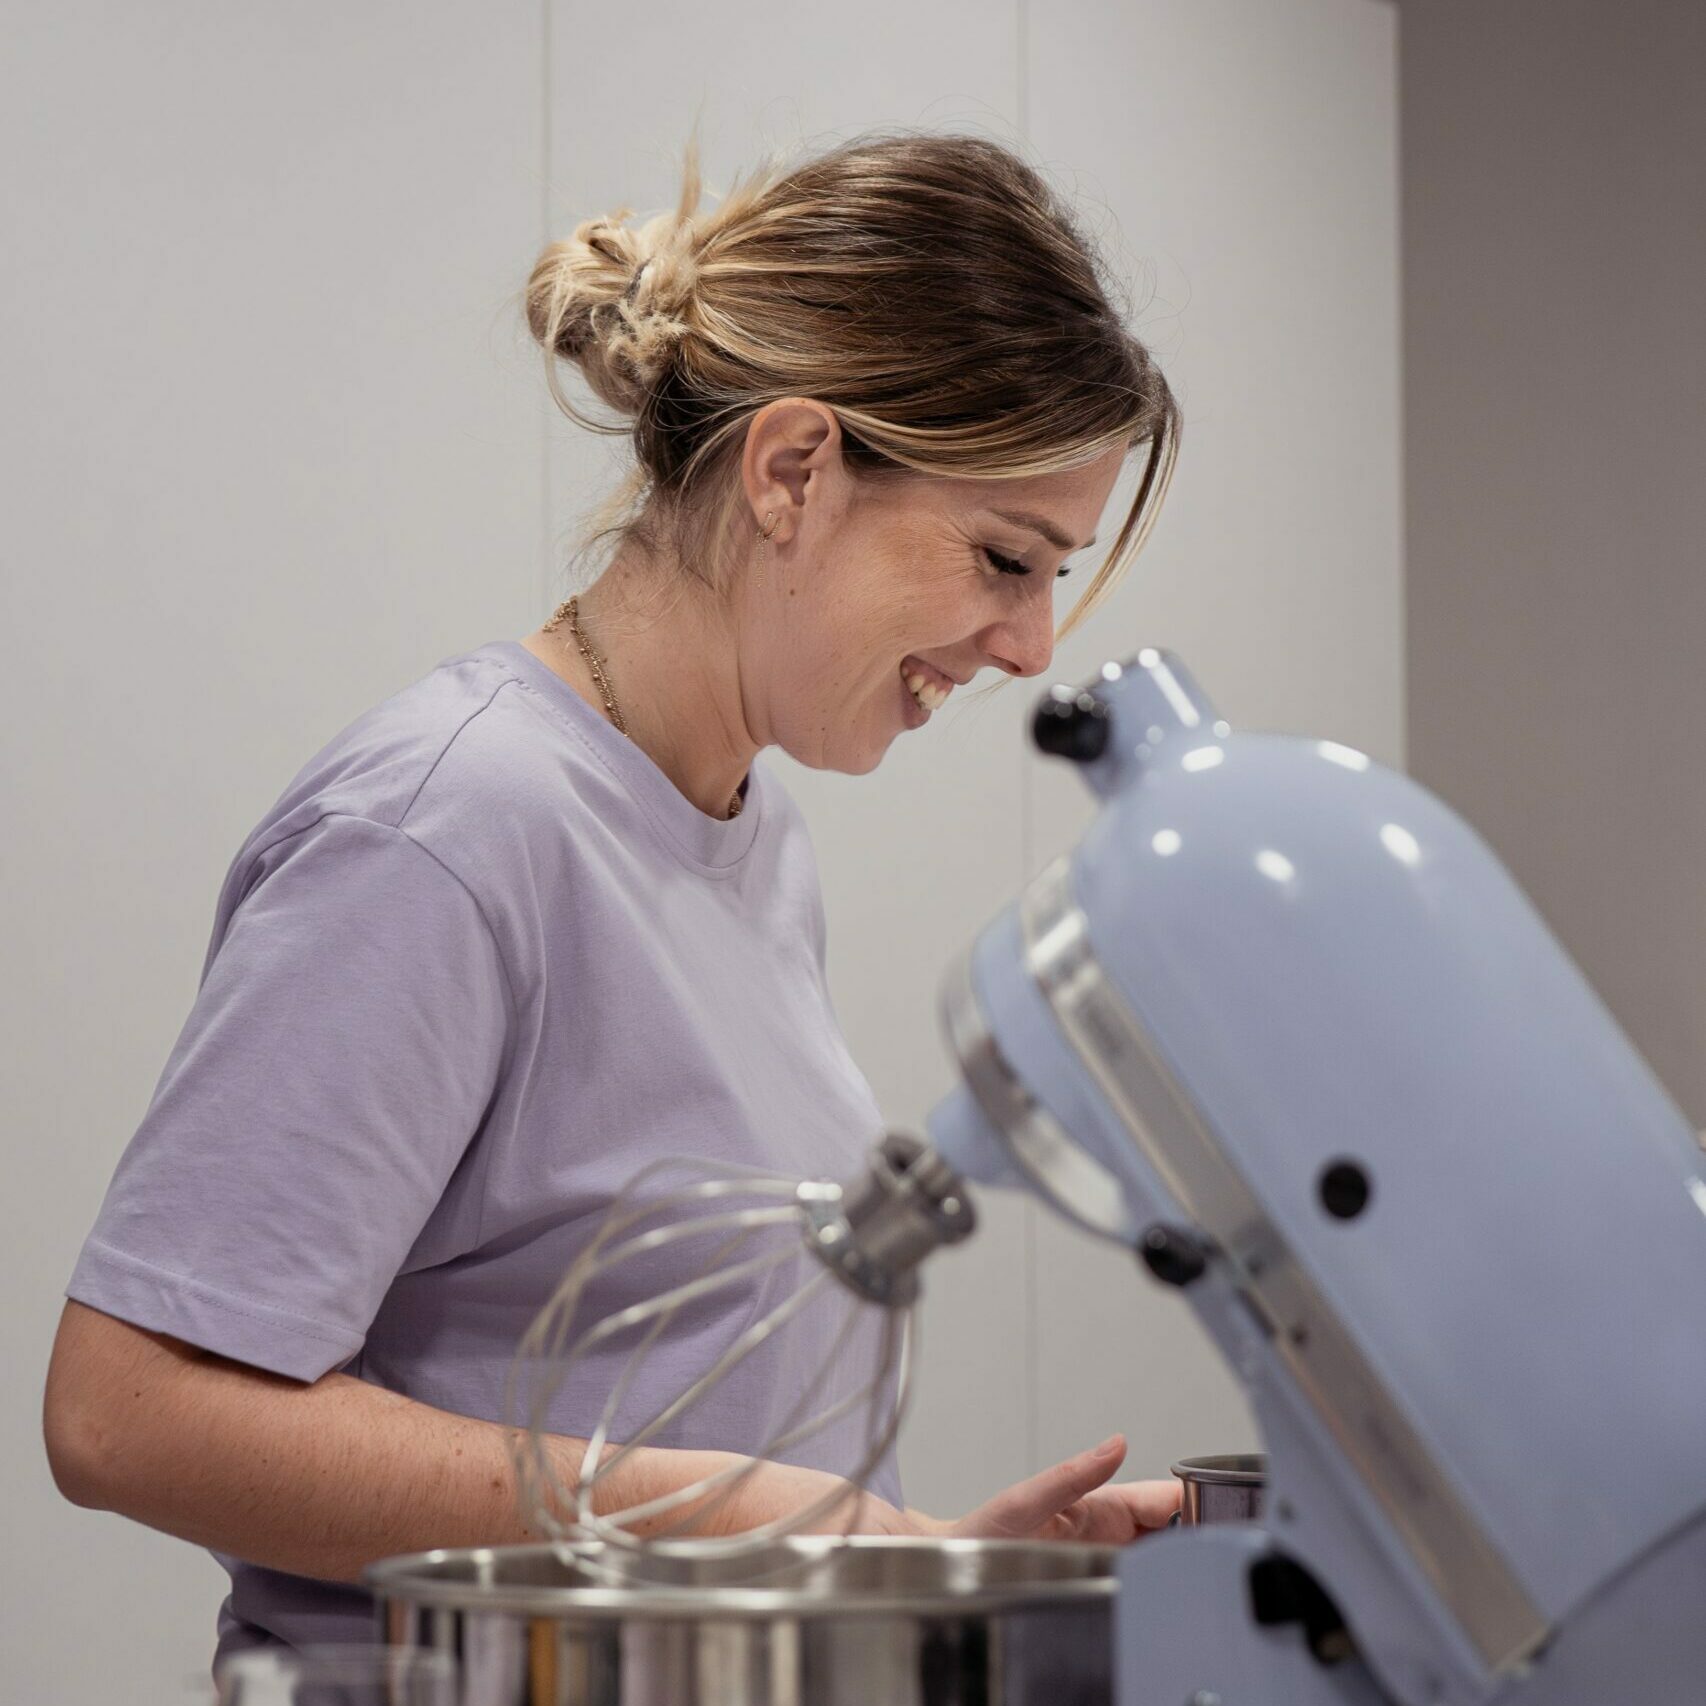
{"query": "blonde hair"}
pixel 930 289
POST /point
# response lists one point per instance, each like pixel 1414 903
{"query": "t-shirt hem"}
pixel 240 1328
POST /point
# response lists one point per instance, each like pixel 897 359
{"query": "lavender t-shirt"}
pixel 478 964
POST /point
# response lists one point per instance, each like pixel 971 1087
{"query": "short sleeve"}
pixel 339 1058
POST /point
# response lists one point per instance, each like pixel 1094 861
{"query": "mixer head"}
pixel 636 1338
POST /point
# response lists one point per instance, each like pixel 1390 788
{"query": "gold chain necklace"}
pixel 568 608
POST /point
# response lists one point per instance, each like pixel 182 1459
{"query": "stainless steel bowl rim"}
pixel 1237 1470
pixel 405 1578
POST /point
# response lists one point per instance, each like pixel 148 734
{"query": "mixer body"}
pixel 1284 1024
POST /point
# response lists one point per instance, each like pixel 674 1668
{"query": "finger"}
pixel 1152 1503
pixel 1095 1519
pixel 1031 1505
pixel 1132 1509
pixel 1114 1516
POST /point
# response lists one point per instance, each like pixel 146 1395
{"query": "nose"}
pixel 1023 643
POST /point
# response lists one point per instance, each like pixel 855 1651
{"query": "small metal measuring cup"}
pixel 1221 1489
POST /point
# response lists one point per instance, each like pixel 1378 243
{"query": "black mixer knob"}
pixel 1174 1254
pixel 1073 723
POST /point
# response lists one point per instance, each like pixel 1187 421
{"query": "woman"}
pixel 543 916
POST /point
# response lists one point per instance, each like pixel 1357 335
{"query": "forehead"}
pixel 1062 507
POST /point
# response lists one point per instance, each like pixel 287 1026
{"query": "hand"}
pixel 1068 1502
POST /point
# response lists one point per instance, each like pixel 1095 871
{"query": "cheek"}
pixel 819 683
pixel 837 700
pixel 847 649
pixel 837 655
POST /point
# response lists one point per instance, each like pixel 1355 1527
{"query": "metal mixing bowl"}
pixel 1222 1489
pixel 866 1620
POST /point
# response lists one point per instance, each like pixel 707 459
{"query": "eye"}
pixel 1008 567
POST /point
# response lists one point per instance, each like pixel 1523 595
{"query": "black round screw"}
pixel 1345 1189
pixel 1173 1255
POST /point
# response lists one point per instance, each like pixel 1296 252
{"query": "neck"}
pixel 667 650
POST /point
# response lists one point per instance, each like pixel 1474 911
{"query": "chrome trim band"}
pixel 1075 1182
pixel 1440 1531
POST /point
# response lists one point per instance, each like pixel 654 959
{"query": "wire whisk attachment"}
pixel 771 1317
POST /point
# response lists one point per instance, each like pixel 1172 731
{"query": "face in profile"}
pixel 890 597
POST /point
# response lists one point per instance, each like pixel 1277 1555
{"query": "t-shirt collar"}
pixel 706 841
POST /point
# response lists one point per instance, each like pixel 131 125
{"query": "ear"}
pixel 792 458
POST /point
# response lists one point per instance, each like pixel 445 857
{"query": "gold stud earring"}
pixel 764 533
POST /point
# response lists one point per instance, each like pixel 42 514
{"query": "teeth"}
pixel 930 694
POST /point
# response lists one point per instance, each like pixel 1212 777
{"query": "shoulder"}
pixel 461 743
pixel 375 764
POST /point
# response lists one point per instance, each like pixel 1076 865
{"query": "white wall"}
pixel 275 444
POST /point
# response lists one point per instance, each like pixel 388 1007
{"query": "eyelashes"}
pixel 1008 567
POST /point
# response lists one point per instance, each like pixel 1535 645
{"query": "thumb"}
pixel 1028 1505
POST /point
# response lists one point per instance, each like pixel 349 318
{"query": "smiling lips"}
pixel 930 687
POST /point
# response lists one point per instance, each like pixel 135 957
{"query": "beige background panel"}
pixel 270 453
pixel 1555 255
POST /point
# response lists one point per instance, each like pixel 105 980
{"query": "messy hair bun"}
pixel 613 301
pixel 931 289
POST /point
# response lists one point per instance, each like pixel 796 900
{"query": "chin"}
pixel 845 763
pixel 839 761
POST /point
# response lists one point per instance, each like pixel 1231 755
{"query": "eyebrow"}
pixel 1041 524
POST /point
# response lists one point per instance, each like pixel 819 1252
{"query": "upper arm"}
pixel 343 1048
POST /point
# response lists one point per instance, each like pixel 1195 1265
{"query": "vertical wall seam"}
pixel 1028 1214
pixel 545 600
pixel 1401 423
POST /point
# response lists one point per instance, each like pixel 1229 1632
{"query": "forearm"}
pixel 318 1480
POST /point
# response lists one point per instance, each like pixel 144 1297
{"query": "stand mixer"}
pixel 1284 1026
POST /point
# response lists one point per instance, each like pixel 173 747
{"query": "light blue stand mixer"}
pixel 1284 1025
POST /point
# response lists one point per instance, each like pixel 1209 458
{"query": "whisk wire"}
pixel 868 1236
pixel 784 1440
pixel 539 1484
pixel 609 1530
pixel 736 1353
